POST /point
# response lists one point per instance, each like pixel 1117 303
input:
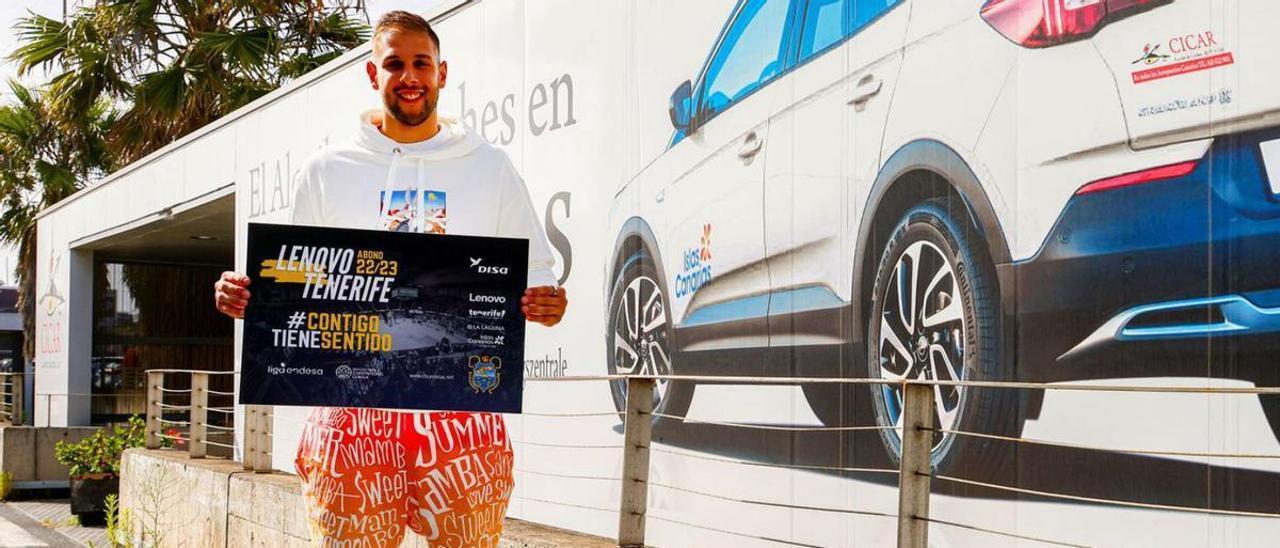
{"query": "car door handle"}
pixel 660 196
pixel 868 87
pixel 750 146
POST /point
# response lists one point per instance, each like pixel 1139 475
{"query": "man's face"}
pixel 406 69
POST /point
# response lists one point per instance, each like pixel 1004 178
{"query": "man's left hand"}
pixel 544 304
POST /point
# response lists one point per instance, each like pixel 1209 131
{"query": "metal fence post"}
pixel 915 466
pixel 638 430
pixel 199 414
pixel 155 380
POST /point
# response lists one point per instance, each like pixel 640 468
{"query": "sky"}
pixel 12 10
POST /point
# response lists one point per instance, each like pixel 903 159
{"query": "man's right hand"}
pixel 231 294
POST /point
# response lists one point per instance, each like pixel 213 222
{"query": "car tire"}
pixel 640 337
pixel 935 314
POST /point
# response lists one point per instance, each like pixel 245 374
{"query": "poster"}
pixel 366 318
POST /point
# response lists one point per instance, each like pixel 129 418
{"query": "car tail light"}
pixel 1139 177
pixel 1043 23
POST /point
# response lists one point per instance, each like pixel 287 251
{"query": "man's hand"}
pixel 544 304
pixel 230 294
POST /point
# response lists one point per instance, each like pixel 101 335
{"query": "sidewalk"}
pixel 43 523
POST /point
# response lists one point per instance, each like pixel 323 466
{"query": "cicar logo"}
pixel 483 269
pixel 1151 55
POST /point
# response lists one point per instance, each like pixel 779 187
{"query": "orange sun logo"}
pixel 706 243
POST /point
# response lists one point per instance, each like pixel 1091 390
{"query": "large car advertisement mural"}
pixel 1048 191
pixel 905 270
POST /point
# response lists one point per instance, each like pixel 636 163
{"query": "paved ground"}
pixel 18 529
pixel 45 523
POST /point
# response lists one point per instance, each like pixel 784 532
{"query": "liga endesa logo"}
pixel 485 269
pixel 695 270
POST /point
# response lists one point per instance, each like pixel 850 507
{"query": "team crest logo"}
pixel 484 373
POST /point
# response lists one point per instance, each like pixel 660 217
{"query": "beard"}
pixel 392 104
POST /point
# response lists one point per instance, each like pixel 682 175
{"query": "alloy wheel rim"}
pixel 640 340
pixel 922 335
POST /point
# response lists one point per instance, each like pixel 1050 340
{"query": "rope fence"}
pixel 914 472
pixel 1065 445
pixel 783 428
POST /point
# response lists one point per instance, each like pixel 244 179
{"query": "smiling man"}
pixel 369 474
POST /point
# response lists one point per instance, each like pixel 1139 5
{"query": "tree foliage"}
pixel 175 65
pixel 127 77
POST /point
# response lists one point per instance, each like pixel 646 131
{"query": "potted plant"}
pixel 94 464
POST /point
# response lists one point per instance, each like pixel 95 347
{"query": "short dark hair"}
pixel 403 20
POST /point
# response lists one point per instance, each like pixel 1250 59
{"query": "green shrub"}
pixel 100 452
pixel 6 484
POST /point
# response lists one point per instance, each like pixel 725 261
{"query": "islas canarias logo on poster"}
pixel 695 269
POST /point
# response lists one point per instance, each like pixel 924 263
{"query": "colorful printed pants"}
pixel 367 474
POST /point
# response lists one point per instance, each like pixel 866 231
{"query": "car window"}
pixel 866 10
pixel 750 54
pixel 824 24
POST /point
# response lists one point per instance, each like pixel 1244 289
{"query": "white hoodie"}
pixel 453 183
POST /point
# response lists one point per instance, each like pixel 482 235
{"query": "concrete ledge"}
pixel 27 452
pixel 174 500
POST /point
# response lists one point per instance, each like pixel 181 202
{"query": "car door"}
pixel 712 229
pixel 805 202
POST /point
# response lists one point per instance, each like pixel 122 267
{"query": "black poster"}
pixel 370 318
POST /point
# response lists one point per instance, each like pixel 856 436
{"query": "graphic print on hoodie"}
pixel 403 212
pixel 370 475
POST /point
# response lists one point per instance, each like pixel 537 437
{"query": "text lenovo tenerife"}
pixel 340 274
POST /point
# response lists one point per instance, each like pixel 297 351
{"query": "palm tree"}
pixel 40 164
pixel 129 77
pixel 177 65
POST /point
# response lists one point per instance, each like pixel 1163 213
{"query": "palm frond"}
pixel 44 40
pixel 165 91
pixel 246 49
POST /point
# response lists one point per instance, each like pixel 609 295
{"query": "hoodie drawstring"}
pixel 422 210
pixel 385 206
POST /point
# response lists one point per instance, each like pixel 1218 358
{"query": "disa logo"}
pixel 475 263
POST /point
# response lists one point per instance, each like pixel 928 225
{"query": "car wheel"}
pixel 640 335
pixel 935 315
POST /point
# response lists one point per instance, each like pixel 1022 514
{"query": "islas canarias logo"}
pixel 695 270
pixel 485 374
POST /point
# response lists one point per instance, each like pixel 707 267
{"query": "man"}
pixel 367 474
